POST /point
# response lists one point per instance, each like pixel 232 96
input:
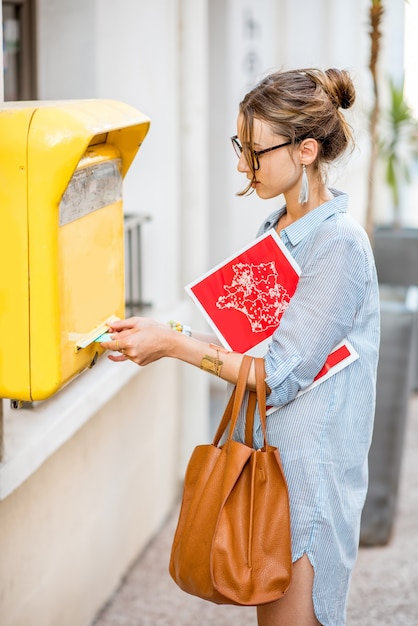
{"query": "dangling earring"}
pixel 304 188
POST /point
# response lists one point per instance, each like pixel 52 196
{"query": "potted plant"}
pixel 395 246
pixel 393 131
pixel 398 146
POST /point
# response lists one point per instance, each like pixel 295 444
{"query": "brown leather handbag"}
pixel 232 542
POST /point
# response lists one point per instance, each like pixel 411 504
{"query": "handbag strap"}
pixel 235 401
pixel 249 419
pixel 258 396
pixel 260 383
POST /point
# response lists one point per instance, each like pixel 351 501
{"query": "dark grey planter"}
pixel 394 384
pixel 396 255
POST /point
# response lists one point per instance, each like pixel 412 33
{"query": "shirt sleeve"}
pixel 319 316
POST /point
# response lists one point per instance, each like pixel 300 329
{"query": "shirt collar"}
pixel 298 230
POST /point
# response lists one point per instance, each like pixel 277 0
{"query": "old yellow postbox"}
pixel 62 166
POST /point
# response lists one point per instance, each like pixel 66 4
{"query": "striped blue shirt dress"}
pixel 324 435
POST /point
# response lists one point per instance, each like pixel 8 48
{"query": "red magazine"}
pixel 244 298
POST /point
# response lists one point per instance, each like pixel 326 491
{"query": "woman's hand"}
pixel 140 339
pixel 144 340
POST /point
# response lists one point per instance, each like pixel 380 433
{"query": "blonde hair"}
pixel 298 104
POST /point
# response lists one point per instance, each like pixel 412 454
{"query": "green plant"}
pixel 399 143
pixel 393 131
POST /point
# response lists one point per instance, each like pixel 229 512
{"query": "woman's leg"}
pixel 296 607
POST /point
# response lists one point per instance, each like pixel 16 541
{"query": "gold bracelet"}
pixel 211 364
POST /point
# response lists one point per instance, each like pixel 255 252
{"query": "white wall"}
pixel 250 38
pixel 243 47
pixel 69 533
pixel 333 33
pixel 66 44
pixel 127 51
pixel 141 66
pixel 287 34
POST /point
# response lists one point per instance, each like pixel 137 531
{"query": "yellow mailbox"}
pixel 61 236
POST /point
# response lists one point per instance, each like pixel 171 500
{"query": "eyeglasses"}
pixel 255 153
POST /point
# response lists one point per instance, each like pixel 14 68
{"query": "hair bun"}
pixel 340 88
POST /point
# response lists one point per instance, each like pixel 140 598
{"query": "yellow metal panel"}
pixel 91 265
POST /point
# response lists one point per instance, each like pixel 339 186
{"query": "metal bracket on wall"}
pixel 16 404
pixel 133 264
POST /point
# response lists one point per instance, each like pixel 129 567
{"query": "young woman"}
pixel 290 128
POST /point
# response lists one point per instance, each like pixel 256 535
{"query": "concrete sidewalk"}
pixel 383 591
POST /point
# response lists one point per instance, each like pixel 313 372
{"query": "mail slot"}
pixel 62 166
